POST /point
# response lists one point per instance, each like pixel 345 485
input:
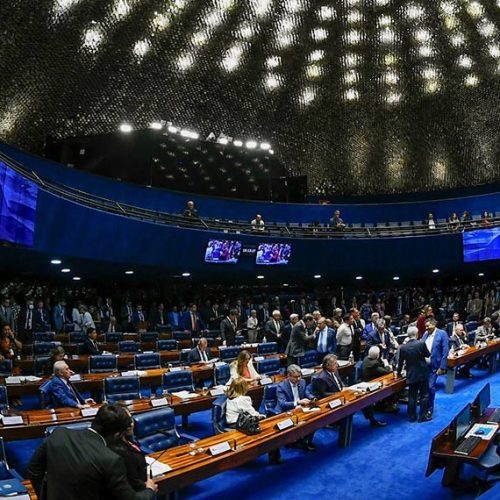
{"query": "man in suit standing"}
pixel 192 321
pixel 452 325
pixel 359 326
pixel 380 337
pixel 412 356
pixel 61 391
pixel 328 380
pixel 41 320
pixel 228 329
pixel 326 341
pixel 158 317
pixel 90 345
pixel 139 319
pixel 200 353
pixel 174 318
pixel 25 323
pixel 274 330
pixel 292 393
pixel 299 338
pixel 437 344
pixel 126 316
pixel 78 465
pixel 7 313
pixel 59 316
pixel 263 313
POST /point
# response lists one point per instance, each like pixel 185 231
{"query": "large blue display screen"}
pixel 483 244
pixel 17 207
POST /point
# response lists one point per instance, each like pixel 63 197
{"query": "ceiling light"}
pixel 125 128
pixel 359 277
pixel 265 146
pixel 317 276
pixel 129 272
pixel 238 143
pixel 155 125
pixel 480 274
pixel 251 144
pixel 65 270
pixel 435 271
pixel 186 275
pixel 172 129
pixel 189 134
pixel 395 278
pixel 285 284
pixel 271 151
pixel 260 277
pixel 76 278
pixel 56 261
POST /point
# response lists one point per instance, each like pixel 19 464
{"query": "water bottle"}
pixel 351 358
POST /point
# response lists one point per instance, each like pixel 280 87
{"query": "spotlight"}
pixel 285 284
pixel 172 129
pixel 359 277
pixel 56 261
pixel 435 271
pixel 65 270
pixel 129 272
pixel 251 144
pixel 317 276
pixel 238 143
pixel 395 278
pixel 186 275
pixel 76 278
pixel 271 151
pixel 189 134
pixel 125 128
pixel 222 139
pixel 156 125
pixel 260 277
pixel 265 146
pixel 480 274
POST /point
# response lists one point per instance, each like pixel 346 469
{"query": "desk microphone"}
pixel 154 461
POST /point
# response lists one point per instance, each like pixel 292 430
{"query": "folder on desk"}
pixel 11 487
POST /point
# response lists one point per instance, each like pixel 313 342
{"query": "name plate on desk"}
pixel 159 402
pixel 258 358
pixel 285 424
pixel 17 420
pixel 335 403
pixel 219 391
pixel 217 449
pixel 266 381
pixel 175 369
pixel 89 412
pixel 75 378
pixel 220 363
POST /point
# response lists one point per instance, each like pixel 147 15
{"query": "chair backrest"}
pixel 39 365
pixel 101 363
pixel 114 337
pixel 270 366
pixel 309 359
pixel 184 355
pixel 121 388
pixel 77 426
pixel 219 415
pixel 44 336
pixel 267 348
pixel 44 348
pixel 270 399
pixel 128 346
pixel 156 429
pixel 212 334
pixel 239 339
pixel 181 335
pixel 149 336
pixel 5 368
pixel 77 337
pixel 164 328
pixel 228 353
pixel 222 374
pixel 471 325
pixel 4 399
pixel 70 327
pixel 45 394
pixel 178 381
pixel 167 345
pixel 147 361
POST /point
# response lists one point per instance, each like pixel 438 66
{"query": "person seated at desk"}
pixel 90 345
pixel 9 345
pixel 243 367
pixel 328 380
pixel 62 392
pixel 78 465
pixel 57 354
pixel 485 332
pixel 290 394
pixel 200 353
pixel 132 455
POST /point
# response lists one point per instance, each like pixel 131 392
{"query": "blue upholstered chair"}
pixel 5 471
pixel 77 426
pixel 181 335
pixel 309 360
pixel 121 389
pixel 150 336
pixel 239 339
pixel 44 348
pixel 39 365
pixel 178 381
pixel 267 348
pixel 114 337
pixel 270 366
pixel 270 399
pixel 211 334
pixel 70 327
pixel 164 328
pixel 102 363
pixel 4 399
pixel 222 374
pixel 156 431
pixel 5 368
pixel 45 394
pixel 471 325
pixel 167 345
pixel 128 346
pixel 228 353
pixel 147 361
pixel 184 355
pixel 77 337
pixel 44 336
pixel 219 415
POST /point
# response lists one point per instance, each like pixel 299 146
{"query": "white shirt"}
pixel 238 405
pixel 295 391
pixel 252 323
pixel 428 342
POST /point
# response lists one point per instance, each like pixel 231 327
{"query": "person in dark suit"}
pixel 192 321
pixel 412 356
pixel 200 352
pixel 326 340
pixel 174 318
pixel 452 325
pixel 25 323
pixel 292 393
pixel 379 337
pixel 57 354
pixel 298 338
pixel 41 319
pixel 158 317
pixel 7 313
pixel 126 317
pixel 77 464
pixel 228 329
pixel 90 345
pixel 61 392
pixel 132 455
pixel 328 380
pixel 139 318
pixel 274 330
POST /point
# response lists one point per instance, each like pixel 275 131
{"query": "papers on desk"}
pixel 16 420
pixel 266 381
pixel 483 431
pixel 366 386
pixel 75 378
pixel 249 345
pixel 342 362
pixel 185 394
pixel 20 380
pixel 218 391
pixel 220 363
pixel 307 371
pixel 307 409
pixel 209 361
pixel 155 403
pixel 89 412
pixel 156 468
pixel 106 353
pixel 134 373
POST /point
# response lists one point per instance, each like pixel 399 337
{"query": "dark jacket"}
pixel 77 465
pixel 373 368
pixel 89 348
pixel 228 331
pixel 324 384
pixel 413 354
pixel 135 463
pixel 299 338
pixel 194 355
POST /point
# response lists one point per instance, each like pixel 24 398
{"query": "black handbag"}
pixel 248 424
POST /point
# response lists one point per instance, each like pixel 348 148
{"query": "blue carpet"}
pixel 380 463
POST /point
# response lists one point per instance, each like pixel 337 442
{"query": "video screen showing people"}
pixel 223 252
pixel 482 244
pixel 273 254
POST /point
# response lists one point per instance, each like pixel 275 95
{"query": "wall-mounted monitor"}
pixel 481 244
pixel 223 252
pixel 18 197
pixel 273 254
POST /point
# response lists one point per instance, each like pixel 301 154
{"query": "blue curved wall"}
pixel 174 202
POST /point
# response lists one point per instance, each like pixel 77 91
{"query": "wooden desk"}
pixel 190 466
pixel 471 354
pixel 442 456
